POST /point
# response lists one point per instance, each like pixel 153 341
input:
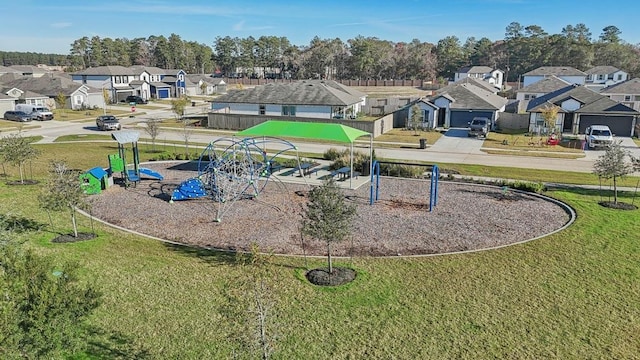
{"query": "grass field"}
pixel 571 295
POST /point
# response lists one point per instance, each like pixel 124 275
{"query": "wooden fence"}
pixel 426 85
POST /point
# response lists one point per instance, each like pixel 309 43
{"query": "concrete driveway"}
pixel 456 140
pixel 627 143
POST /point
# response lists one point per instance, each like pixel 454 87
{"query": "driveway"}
pixel 456 140
pixel 627 143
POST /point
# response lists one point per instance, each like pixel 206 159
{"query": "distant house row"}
pixel 603 95
pixel 87 88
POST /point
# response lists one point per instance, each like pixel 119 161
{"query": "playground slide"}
pixel 150 173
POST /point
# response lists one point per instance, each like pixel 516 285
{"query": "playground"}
pixel 467 216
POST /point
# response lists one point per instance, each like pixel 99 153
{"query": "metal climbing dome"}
pixel 231 169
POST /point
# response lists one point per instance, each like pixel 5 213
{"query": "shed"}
pixel 94 180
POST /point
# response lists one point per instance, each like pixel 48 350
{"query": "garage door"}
pixel 163 93
pixel 462 118
pixel 619 125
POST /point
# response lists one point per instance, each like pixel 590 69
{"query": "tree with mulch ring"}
pixel 63 191
pixel 613 165
pixel 328 218
pixel 17 150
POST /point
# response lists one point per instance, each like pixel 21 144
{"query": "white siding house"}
pixel 566 73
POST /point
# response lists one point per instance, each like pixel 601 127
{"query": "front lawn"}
pixel 406 136
pixel 522 142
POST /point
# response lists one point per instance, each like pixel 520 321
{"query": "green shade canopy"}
pixel 305 130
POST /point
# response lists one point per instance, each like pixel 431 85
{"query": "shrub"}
pixel 331 154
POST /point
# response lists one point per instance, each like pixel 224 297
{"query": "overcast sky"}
pixel 51 26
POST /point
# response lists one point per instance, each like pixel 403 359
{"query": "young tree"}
pixel 327 216
pixel 612 165
pixel 415 118
pixel 61 101
pixel 43 305
pixel 153 129
pixel 550 116
pixel 63 191
pixel 178 105
pixel 16 150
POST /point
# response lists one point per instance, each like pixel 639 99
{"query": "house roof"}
pixel 592 101
pixel 475 70
pixel 630 87
pixel 467 96
pixel 475 82
pixel 167 79
pixel 6 70
pixel 159 84
pixel 604 69
pixel 28 69
pixel 137 82
pixel 545 86
pixel 6 97
pixel 555 70
pixel 305 130
pixel 31 95
pixel 47 85
pixel 107 70
pixel 305 92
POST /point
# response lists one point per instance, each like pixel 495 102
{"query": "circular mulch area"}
pixel 617 205
pixel 25 182
pixel 69 238
pixel 467 217
pixel 339 276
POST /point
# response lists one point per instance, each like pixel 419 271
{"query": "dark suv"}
pixel 108 122
pixel 135 99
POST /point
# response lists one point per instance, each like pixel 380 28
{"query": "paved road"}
pixel 453 147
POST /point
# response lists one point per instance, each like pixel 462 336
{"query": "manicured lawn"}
pixel 408 136
pixel 520 142
pixel 66 114
pixel 569 295
pixel 11 125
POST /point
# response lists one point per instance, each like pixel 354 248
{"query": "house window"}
pixel 78 99
pixel 601 77
pixel 636 98
pixel 262 109
pixel 288 110
pixel 619 77
pixel 540 123
pixel 589 77
pixel 530 96
pixel 627 98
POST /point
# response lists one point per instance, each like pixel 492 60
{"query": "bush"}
pixel 406 171
pixel 331 154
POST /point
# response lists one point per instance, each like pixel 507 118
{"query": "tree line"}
pixel 522 49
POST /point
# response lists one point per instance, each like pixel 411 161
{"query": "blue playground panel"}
pixel 132 176
pixel 150 173
pixel 189 189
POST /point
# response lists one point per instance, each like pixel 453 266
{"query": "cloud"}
pixel 240 26
pixel 61 25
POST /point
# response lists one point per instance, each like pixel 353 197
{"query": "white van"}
pixel 37 112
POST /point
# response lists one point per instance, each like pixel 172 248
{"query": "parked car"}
pixel 17 116
pixel 135 99
pixel 37 112
pixel 108 122
pixel 479 126
pixel 598 136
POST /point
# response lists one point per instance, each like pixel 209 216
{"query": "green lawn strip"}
pixel 69 115
pixel 569 295
pixel 7 125
pixel 533 143
pixel 532 152
pixel 408 136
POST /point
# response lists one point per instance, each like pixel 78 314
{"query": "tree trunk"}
pixel 329 257
pixel 21 174
pixel 615 190
pixel 73 221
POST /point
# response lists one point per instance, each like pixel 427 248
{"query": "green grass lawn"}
pixel 408 136
pixel 67 114
pixel 520 142
pixel 569 295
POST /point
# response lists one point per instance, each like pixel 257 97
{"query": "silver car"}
pixel 108 122
pixel 17 116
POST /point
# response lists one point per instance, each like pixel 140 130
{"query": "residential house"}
pixel 177 79
pixel 578 108
pixel 428 114
pixel 318 99
pixel 78 96
pixel 7 103
pixel 199 84
pixel 495 77
pixel 540 88
pixel 8 70
pixel 566 73
pixel 627 93
pixel 458 104
pixel 28 97
pixel 115 80
pixel 600 77
pixel 479 83
pixel 29 70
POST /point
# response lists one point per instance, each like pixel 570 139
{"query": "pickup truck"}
pixel 598 136
pixel 479 127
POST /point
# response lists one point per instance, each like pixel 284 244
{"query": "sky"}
pixel 50 26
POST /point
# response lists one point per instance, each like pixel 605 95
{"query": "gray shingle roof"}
pixel 475 70
pixel 604 69
pixel 546 85
pixel 47 85
pixel 593 102
pixel 5 69
pixel 629 87
pixel 476 82
pixel 107 70
pixel 306 92
pixel 555 70
pixel 467 96
pixel 6 97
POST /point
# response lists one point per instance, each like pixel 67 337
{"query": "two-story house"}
pixel 495 77
pixel 627 93
pixel 540 88
pixel 566 73
pixel 601 77
pixel 114 79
